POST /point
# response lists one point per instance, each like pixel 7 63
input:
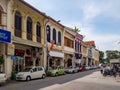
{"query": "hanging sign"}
pixel 5 36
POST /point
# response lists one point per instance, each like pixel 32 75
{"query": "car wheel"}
pixel 43 76
pixel 56 74
pixel 28 78
pixel 64 73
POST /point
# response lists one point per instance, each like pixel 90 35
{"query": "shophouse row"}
pixel 30 37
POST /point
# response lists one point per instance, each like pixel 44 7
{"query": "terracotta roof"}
pixel 92 43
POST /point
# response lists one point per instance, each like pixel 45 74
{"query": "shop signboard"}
pixel 5 36
pixel 16 58
pixel 13 58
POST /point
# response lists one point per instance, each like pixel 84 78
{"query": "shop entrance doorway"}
pixel 28 61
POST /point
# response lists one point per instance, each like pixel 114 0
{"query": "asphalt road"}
pixel 77 81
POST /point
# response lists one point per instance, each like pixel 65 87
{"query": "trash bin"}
pixel 13 76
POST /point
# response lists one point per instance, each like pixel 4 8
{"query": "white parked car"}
pixel 3 78
pixel 72 69
pixel 31 73
pixel 88 67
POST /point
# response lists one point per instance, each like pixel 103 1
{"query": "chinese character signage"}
pixel 5 36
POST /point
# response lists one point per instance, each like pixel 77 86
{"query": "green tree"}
pixel 101 56
pixel 76 29
pixel 112 54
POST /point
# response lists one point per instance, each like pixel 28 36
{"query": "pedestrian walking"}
pixel 118 76
pixel 101 69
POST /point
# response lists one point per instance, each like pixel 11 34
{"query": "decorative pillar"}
pixel 24 31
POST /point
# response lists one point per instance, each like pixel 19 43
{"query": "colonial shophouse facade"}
pixel 84 54
pixel 78 49
pixel 92 54
pixel 68 48
pixel 26 25
pixel 54 41
pixel 29 37
pixel 5 34
pixel 95 56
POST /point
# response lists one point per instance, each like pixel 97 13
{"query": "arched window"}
pixel 54 35
pixel 1 11
pixel 59 38
pixel 48 32
pixel 29 28
pixel 0 17
pixel 38 32
pixel 18 24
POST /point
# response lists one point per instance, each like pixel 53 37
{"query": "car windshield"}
pixel 27 69
pixel 70 67
pixel 54 67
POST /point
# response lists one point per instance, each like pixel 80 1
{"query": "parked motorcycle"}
pixel 109 72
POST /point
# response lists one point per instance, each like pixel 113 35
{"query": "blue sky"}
pixel 99 20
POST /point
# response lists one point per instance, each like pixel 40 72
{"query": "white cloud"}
pixel 103 41
pixel 94 8
pixel 110 8
pixel 90 11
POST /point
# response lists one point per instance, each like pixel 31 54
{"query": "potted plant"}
pixel 1 62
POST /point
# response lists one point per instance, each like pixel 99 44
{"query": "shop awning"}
pixel 56 54
pixel 115 61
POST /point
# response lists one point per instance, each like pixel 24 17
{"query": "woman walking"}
pixel 101 69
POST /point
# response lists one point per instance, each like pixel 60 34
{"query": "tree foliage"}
pixel 101 56
pixel 76 29
pixel 112 54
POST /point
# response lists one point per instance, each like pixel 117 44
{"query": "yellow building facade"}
pixel 27 27
pixel 69 47
pixel 6 28
pixel 31 42
pixel 96 56
pixel 84 53
pixel 54 43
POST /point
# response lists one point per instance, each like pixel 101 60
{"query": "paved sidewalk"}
pixel 97 77
pixel 94 81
